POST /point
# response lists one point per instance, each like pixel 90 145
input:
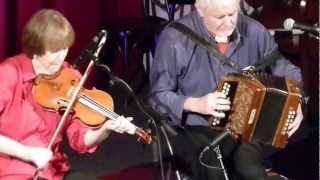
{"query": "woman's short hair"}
pixel 47 30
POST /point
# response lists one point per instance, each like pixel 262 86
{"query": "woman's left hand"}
pixel 120 125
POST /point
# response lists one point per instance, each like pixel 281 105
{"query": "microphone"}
pixel 215 141
pixel 93 49
pixel 290 24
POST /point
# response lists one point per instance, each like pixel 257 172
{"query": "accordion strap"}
pixel 202 42
pixel 197 39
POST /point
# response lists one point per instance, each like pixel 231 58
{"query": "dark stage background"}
pixel 125 21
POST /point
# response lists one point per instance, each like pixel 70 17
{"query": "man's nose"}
pixel 228 21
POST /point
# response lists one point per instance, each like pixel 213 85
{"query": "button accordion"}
pixel 262 107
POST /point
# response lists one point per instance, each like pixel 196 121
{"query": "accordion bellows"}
pixel 262 107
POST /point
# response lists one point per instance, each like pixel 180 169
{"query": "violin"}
pixel 92 107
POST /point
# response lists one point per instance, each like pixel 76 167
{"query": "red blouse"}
pixel 23 120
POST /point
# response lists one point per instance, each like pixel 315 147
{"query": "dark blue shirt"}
pixel 182 69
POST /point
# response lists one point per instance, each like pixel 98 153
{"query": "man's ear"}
pixel 199 9
pixel 200 12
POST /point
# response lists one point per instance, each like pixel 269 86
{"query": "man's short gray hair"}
pixel 203 4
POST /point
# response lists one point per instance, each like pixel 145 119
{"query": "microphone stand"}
pixel 177 173
pixel 214 143
pixel 147 111
pixel 219 157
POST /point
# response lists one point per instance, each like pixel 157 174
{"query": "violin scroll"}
pixel 144 137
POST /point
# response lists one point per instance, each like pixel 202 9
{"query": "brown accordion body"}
pixel 262 108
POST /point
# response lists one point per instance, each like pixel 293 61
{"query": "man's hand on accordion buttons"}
pixel 293 127
pixel 214 104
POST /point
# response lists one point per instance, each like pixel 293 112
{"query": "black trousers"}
pixel 187 146
pixel 243 161
pixel 251 160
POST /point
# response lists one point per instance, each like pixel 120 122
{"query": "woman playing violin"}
pixel 26 128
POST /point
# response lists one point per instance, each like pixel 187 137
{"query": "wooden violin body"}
pixel 92 107
pixel 55 94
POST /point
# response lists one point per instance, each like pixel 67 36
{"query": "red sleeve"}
pixel 75 133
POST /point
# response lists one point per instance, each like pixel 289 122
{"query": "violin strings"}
pixel 101 107
pixel 110 113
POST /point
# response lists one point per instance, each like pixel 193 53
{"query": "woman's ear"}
pixel 34 56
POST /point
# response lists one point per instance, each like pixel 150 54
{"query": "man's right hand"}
pixel 211 104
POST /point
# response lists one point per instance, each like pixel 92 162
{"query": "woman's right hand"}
pixel 38 155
